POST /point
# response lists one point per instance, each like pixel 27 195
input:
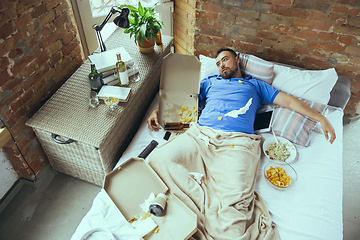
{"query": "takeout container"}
pixel 179 87
pixel 131 184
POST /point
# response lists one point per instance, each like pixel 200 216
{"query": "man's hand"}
pixel 153 120
pixel 288 101
pixel 328 129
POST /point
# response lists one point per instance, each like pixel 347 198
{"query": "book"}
pixel 105 61
pixel 121 93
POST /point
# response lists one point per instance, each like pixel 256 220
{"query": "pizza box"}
pixel 131 184
pixel 179 89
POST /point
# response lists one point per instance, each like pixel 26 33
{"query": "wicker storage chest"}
pixel 93 139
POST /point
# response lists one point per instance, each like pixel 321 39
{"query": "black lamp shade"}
pixel 122 20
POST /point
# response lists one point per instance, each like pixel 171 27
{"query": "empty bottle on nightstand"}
pixel 96 79
pixel 121 72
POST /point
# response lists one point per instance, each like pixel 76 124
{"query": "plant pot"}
pixel 148 46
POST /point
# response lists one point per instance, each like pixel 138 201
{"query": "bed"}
pixel 312 208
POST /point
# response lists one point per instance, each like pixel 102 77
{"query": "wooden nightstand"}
pixel 100 135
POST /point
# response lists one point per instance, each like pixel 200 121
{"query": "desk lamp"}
pixel 120 21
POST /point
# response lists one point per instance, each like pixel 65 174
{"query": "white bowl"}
pixel 290 171
pixel 289 146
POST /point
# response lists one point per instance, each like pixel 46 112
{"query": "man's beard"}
pixel 229 73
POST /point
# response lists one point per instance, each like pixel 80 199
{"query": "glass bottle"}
pixel 96 79
pixel 158 40
pixel 121 72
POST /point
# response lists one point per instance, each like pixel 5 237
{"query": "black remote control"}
pixel 148 149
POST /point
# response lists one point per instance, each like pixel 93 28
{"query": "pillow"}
pixel 256 67
pixel 314 85
pixel 294 126
pixel 208 67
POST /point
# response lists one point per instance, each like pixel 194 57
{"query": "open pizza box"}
pixel 131 184
pixel 179 89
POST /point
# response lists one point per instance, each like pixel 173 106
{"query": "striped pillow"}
pixel 257 67
pixel 294 126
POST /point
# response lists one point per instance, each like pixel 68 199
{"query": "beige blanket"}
pixel 224 199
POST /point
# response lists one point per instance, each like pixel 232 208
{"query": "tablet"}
pixel 263 121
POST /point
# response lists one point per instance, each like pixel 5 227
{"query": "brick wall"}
pixel 39 49
pixel 311 34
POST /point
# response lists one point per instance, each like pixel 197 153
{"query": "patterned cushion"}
pixel 257 67
pixel 294 126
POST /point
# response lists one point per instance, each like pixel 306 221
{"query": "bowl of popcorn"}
pixel 280 176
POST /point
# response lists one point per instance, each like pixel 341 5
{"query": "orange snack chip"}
pixel 278 176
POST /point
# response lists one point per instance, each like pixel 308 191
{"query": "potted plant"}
pixel 143 26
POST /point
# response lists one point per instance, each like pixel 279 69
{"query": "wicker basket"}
pixel 100 135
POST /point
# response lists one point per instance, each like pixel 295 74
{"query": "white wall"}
pixel 7 174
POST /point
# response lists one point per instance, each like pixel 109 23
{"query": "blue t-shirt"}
pixel 231 104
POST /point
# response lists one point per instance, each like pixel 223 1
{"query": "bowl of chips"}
pixel 280 176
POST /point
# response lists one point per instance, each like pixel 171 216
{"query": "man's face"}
pixel 228 65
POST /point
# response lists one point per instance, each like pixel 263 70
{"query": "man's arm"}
pixel 288 101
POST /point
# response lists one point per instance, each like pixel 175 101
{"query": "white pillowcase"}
pixel 208 66
pixel 313 85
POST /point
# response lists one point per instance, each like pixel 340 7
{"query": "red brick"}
pixel 266 35
pixel 222 42
pixel 10 43
pixel 35 77
pixel 211 24
pixel 68 37
pixel 23 20
pixel 15 117
pixel 7 16
pixel 48 29
pixel 16 52
pixel 59 21
pixel 329 47
pixel 76 52
pixel 205 15
pixel 47 18
pixel 11 85
pixel 328 37
pixel 352 11
pixel 338 18
pixel 300 50
pixel 60 9
pixel 42 58
pixel 4 63
pixel 26 59
pixel 354 22
pixel 38 11
pixel 24 6
pixel 29 69
pixel 285 3
pixel 55 59
pixel 316 63
pixel 52 38
pixel 50 4
pixel 218 8
pixel 289 12
pixel 348 40
pixel 318 16
pixel 307 34
pixel 16 105
pixel 248 4
pixel 53 48
pixel 290 38
pixel 243 21
pixel 312 24
pixel 4 78
pixel 8 29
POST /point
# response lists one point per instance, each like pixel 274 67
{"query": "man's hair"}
pixel 220 50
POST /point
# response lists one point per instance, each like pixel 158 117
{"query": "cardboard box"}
pixel 179 87
pixel 131 184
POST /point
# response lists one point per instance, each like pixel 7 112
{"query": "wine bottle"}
pixel 158 39
pixel 175 126
pixel 121 72
pixel 96 79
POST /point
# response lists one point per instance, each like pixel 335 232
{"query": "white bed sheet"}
pixel 311 209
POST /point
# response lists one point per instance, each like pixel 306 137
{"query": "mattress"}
pixel 311 209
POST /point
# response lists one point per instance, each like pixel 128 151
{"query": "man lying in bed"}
pixel 212 166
